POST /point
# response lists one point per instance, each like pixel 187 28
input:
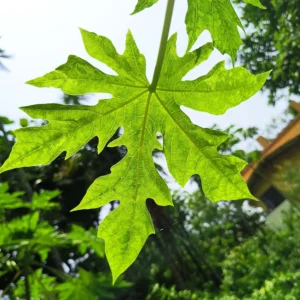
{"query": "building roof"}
pixel 285 139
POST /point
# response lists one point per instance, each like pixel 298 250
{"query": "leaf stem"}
pixel 12 281
pixel 163 45
pixel 27 283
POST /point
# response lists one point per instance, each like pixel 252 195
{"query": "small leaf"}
pixel 5 121
pixel 256 3
pixel 143 4
pixel 87 286
pixel 86 239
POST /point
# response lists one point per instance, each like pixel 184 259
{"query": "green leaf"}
pixel 87 286
pixel 143 4
pixel 220 19
pixel 5 121
pixel 255 3
pixel 85 239
pixel 41 287
pixel 206 93
pixel 42 201
pixel 142 113
pixel 10 201
pixel 18 228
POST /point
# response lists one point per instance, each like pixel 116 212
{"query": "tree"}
pixel 192 241
pixel 25 246
pixel 273 42
pixel 268 261
pixel 264 266
pixel 176 256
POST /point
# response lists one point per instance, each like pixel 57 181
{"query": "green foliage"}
pixel 26 242
pixel 255 3
pixel 24 122
pixel 265 265
pixel 10 201
pixel 163 293
pixel 218 17
pixel 144 110
pixel 86 239
pixel 27 233
pixel 88 286
pixel 191 242
pixel 235 137
pixel 281 286
pixel 291 179
pixel 139 115
pixel 273 42
pixel 42 287
pixel 142 4
pixel 5 121
pixel 262 267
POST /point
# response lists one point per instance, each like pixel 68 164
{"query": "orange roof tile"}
pixel 288 134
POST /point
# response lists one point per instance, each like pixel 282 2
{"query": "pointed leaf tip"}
pixel 256 3
pixel 143 4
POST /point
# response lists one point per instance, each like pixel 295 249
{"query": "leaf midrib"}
pixel 97 80
pixel 140 151
pixel 204 92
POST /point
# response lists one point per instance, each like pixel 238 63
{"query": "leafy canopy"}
pixel 88 286
pixel 143 110
pixel 28 240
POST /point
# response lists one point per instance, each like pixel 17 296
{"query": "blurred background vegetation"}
pixel 202 250
pixel 273 42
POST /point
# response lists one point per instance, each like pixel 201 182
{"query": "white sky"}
pixel 40 34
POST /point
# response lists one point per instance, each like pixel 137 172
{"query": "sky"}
pixel 40 34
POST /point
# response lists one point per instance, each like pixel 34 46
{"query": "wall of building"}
pixel 271 172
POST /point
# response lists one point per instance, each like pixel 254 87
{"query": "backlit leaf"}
pixel 220 19
pixel 256 3
pixel 143 112
pixel 142 4
pixel 216 16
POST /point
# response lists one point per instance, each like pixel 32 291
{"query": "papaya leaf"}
pixel 218 17
pixel 143 112
pixel 143 4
